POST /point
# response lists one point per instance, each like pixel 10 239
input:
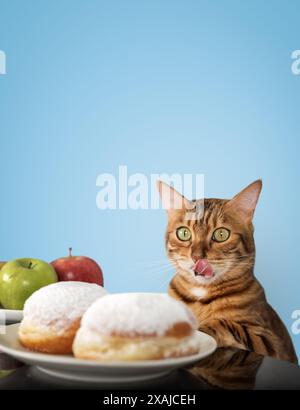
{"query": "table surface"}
pixel 227 368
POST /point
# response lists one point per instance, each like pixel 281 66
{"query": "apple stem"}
pixel 30 265
pixel 70 252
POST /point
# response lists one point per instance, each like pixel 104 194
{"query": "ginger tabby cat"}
pixel 214 257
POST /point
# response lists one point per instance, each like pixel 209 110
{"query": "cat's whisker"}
pixel 160 268
pixel 151 263
pixel 166 265
pixel 164 283
pixel 157 266
pixel 160 271
pixel 159 275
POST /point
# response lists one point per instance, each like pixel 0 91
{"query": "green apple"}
pixel 22 277
pixel 2 264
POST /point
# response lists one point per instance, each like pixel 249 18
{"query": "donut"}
pixel 136 326
pixel 52 315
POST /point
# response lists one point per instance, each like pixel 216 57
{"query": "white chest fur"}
pixel 199 291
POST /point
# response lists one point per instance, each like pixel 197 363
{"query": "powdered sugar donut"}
pixel 52 315
pixel 136 326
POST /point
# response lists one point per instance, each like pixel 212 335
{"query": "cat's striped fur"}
pixel 231 306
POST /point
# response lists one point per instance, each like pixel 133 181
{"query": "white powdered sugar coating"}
pixel 61 303
pixel 132 313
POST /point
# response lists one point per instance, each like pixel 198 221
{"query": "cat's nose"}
pixel 196 258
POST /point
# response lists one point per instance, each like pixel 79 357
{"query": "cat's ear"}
pixel 172 200
pixel 245 201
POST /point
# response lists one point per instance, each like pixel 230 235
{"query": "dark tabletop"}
pixel 225 369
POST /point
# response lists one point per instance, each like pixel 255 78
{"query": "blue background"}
pixel 159 86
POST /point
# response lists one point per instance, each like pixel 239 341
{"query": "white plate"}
pixel 68 367
pixel 11 316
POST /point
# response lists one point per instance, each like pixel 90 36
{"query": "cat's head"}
pixel 215 246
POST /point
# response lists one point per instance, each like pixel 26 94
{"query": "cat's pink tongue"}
pixel 203 268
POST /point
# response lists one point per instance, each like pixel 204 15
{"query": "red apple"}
pixel 78 268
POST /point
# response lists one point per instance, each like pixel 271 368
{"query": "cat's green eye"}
pixel 221 235
pixel 183 234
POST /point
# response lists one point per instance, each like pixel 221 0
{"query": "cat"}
pixel 214 255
